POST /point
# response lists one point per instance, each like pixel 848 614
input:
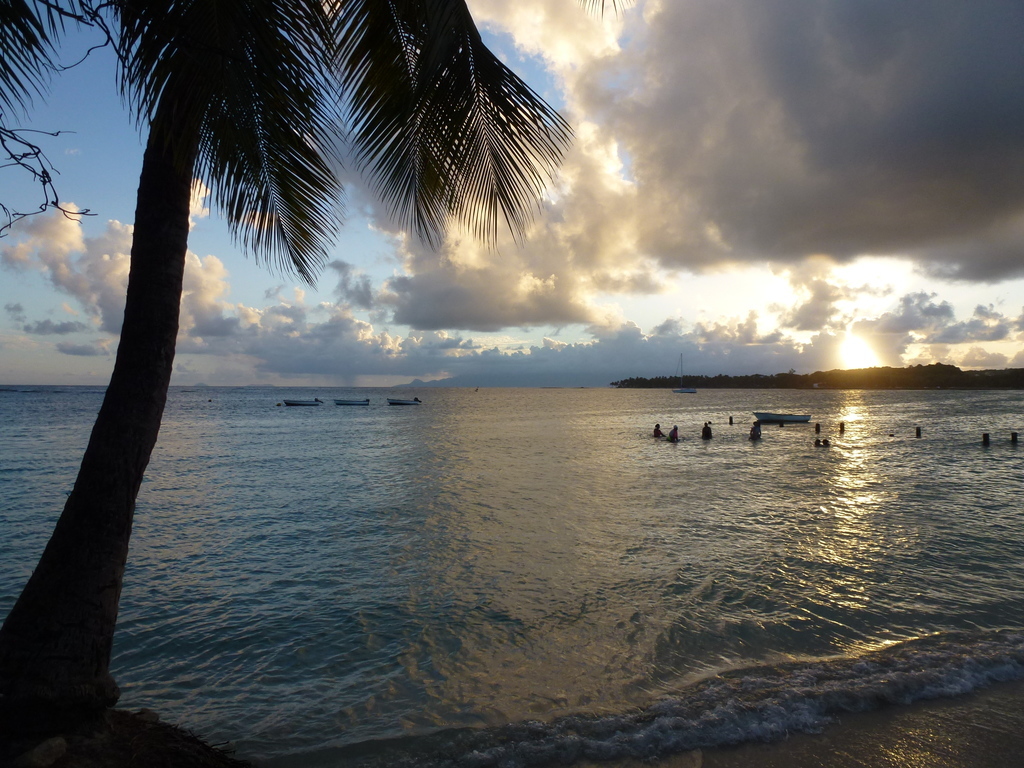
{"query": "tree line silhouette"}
pixel 934 376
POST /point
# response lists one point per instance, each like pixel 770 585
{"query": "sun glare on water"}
pixel 857 353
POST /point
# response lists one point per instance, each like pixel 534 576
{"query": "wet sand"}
pixel 982 730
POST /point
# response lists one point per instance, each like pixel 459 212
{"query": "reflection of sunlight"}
pixel 852 408
pixel 857 353
pixel 846 538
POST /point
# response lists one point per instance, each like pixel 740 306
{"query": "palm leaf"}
pixel 600 5
pixel 444 130
pixel 247 79
pixel 27 48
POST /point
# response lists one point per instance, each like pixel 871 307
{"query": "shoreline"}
pixel 982 729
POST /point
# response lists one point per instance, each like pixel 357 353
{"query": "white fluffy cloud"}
pixel 94 271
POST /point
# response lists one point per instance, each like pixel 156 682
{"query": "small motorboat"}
pixel 314 401
pixel 352 402
pixel 782 418
pixel 395 401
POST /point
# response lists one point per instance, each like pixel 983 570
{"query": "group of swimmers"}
pixel 673 435
pixel 705 434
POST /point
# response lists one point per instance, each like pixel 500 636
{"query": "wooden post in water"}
pixel 918 432
pixel 984 438
pixel 817 427
pixel 730 421
pixel 1013 438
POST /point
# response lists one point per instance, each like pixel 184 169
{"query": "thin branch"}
pixel 30 158
pixel 17 151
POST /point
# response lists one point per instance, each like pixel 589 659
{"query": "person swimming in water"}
pixel 673 436
pixel 705 433
pixel 755 431
pixel 657 431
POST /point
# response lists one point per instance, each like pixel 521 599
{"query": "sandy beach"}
pixel 982 730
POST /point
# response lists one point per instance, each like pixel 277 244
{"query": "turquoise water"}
pixel 515 577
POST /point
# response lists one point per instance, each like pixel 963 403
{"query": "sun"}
pixel 857 353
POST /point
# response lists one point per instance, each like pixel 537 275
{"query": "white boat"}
pixel 352 402
pixel 314 401
pixel 681 390
pixel 394 401
pixel 782 418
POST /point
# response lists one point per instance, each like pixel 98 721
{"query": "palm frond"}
pixel 593 6
pixel 444 130
pixel 243 86
pixel 28 32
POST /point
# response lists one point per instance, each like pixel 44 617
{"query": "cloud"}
pixel 93 270
pixel 986 325
pixel 919 319
pixel 977 357
pixel 16 311
pixel 82 350
pixel 60 234
pixel 811 280
pixel 203 311
pixel 778 129
pixel 482 300
pixel 286 337
pixel 570 257
pixel 197 203
pixel 561 33
pixel 801 133
pixel 48 327
pixel 352 288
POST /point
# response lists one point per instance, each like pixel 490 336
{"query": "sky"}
pixel 755 186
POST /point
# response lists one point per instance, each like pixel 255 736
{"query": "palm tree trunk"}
pixel 55 645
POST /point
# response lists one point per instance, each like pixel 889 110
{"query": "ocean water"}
pixel 516 577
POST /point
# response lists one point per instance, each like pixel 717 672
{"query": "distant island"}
pixel 932 376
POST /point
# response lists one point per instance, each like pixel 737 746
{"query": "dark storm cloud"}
pixel 784 128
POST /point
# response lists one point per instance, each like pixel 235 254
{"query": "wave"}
pixel 763 703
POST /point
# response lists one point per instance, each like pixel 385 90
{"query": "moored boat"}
pixel 681 390
pixel 782 418
pixel 395 401
pixel 314 401
pixel 352 402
